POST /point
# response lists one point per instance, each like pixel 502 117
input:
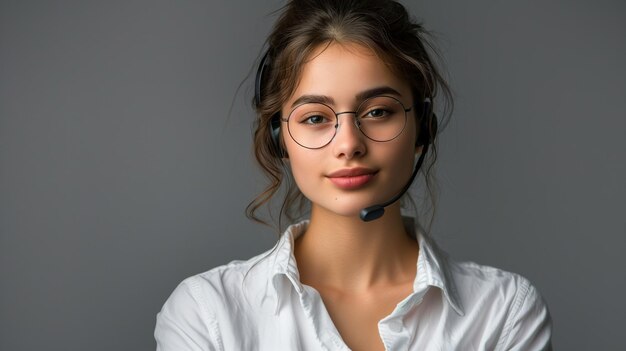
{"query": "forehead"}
pixel 342 71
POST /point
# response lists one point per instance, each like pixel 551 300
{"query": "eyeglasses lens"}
pixel 313 125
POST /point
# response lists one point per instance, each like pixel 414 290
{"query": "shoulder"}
pixel 486 278
pixel 517 312
pixel 191 314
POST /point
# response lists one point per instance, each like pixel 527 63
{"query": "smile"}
pixel 353 178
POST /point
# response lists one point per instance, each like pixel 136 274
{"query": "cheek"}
pixel 400 161
pixel 302 165
pixel 401 154
pixel 306 178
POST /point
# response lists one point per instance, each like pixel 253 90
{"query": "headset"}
pixel 427 132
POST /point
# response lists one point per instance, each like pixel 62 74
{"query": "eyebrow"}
pixel 323 99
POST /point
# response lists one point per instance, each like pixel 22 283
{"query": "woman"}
pixel 344 99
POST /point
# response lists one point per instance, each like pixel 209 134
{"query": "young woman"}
pixel 344 98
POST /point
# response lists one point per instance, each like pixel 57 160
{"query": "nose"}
pixel 348 141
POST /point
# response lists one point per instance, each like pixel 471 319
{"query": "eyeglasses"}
pixel 314 125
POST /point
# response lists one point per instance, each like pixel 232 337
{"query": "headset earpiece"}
pixel 275 123
pixel 427 125
pixel 277 149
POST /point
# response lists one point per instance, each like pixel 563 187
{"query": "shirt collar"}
pixel 284 263
pixel 432 264
pixel 433 270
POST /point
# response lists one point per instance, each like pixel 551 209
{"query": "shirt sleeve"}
pixel 529 326
pixel 184 324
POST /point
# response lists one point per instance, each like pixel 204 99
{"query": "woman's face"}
pixel 352 171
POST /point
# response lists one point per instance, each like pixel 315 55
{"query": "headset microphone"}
pixel 376 211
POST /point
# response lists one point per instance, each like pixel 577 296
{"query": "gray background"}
pixel 121 173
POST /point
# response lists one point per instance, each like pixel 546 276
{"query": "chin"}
pixel 346 206
pixel 343 213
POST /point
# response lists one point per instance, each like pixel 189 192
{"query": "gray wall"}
pixel 121 174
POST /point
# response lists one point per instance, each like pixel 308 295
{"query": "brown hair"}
pixel 384 27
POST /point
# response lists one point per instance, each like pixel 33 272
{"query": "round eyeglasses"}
pixel 314 125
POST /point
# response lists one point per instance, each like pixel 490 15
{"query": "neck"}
pixel 347 254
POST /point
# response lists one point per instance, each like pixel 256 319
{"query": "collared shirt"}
pixel 260 304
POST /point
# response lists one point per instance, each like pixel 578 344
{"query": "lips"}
pixel 352 178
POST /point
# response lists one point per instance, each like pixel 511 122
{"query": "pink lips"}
pixel 351 178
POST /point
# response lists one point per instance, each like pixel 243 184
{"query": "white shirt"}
pixel 454 306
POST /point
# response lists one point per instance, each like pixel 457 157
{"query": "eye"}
pixel 313 115
pixel 377 113
pixel 315 119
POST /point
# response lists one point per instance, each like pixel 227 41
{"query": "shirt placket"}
pixel 318 316
pixel 393 332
